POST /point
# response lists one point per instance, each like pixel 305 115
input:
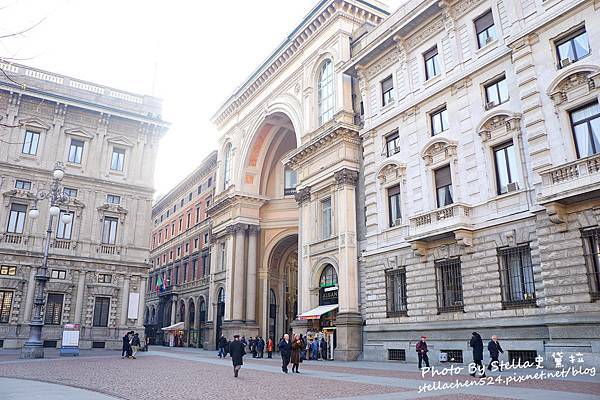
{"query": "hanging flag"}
pixel 159 285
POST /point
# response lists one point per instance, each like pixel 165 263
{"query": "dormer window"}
pixel 572 47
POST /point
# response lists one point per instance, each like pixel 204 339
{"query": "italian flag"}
pixel 159 284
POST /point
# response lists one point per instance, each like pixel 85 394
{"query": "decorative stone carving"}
pixel 425 33
pixel 302 195
pixel 419 248
pixel 390 58
pixel 464 238
pixel 346 177
pixel 391 172
pixel 438 151
pixel 499 125
pixel 253 229
pixel 232 229
pixel 570 86
pixel 556 213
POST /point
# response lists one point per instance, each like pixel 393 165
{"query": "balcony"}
pixel 441 222
pixel 61 244
pixel 108 249
pixel 575 181
pixel 13 238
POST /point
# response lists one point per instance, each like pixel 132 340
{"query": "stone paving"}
pixel 184 374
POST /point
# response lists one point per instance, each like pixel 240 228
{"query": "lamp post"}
pixel 34 347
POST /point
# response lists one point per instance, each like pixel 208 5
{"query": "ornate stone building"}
pixel 179 278
pixel 107 140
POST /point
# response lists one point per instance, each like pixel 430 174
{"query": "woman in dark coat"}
pixel 297 348
pixel 236 349
pixel 477 344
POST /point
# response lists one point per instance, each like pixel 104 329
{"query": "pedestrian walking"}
pixel 252 346
pixel 237 351
pixel 323 346
pixel 244 342
pixel 221 343
pixel 285 349
pixel 227 348
pixel 477 344
pixel 126 350
pixel 495 349
pixel 422 352
pixel 296 358
pixel 135 345
pixel 270 348
pixel 314 349
pixel 261 347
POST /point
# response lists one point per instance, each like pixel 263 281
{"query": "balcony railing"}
pixel 61 244
pixel 13 238
pixel 441 220
pixel 289 191
pixel 108 249
pixel 570 179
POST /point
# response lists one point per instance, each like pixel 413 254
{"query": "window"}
pixel 101 310
pixel 58 274
pixel 485 29
pixel 516 277
pixel 53 309
pixel 194 266
pixel 196 243
pixel 5 305
pixel 30 143
pixel 506 167
pixel 177 274
pixel 392 143
pixel 16 219
pixel 396 292
pixel 572 47
pixel 63 231
pixel 329 277
pixel 109 230
pixel 25 185
pixel 209 182
pixel 180 224
pixel 182 202
pixel 7 270
pixel 190 197
pixel 113 199
pixel 432 64
pixel 75 151
pixel 185 271
pixel 199 189
pixel 387 91
pixel 585 123
pixel 223 255
pixel 453 356
pixel 443 186
pixel 172 228
pixel 290 181
pixel 206 238
pixel 496 93
pixel 439 121
pixel 449 285
pixel 227 169
pixel 197 214
pixel 396 355
pixel 189 220
pixel 118 159
pixel 187 248
pixel 104 278
pixel 394 205
pixel 326 94
pixel 591 252
pixel 326 218
pixel 72 193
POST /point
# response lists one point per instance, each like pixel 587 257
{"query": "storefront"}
pixel 174 335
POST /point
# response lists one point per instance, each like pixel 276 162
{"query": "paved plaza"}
pixel 182 374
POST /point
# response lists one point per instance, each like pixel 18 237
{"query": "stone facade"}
pixel 82 125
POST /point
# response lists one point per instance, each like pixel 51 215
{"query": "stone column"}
pixel 238 273
pixel 124 302
pixel 142 303
pixel 79 298
pixel 251 277
pixel 173 310
pixel 304 203
pixel 30 293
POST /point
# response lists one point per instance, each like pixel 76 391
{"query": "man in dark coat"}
pixel 495 349
pixel 261 347
pixel 422 350
pixel 221 345
pixel 323 346
pixel 477 344
pixel 285 349
pixel 236 349
pixel 126 351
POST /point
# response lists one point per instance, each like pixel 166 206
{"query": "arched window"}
pixel 227 166
pixel 328 277
pixel 326 94
pixel 221 297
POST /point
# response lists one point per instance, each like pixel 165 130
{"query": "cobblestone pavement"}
pixel 184 374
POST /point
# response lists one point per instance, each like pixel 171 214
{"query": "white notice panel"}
pixel 70 338
pixel 134 303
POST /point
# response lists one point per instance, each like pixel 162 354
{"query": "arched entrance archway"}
pixel 202 323
pixel 192 338
pixel 272 315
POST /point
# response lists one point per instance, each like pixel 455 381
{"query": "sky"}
pixel 192 54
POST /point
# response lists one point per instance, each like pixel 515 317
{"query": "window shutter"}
pixel 484 22
pixel 387 84
pixel 442 177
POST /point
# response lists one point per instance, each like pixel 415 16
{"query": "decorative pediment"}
pixel 11 282
pixel 23 195
pixel 574 83
pixel 438 150
pixel 113 209
pixel 391 172
pixel 34 123
pixel 120 141
pixel 79 132
pixel 61 287
pixel 101 290
pixel 498 124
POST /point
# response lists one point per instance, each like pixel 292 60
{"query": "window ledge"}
pixel 487 48
pixel 73 165
pixel 511 305
pixel 433 80
pixel 387 107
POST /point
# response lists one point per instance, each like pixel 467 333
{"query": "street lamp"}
pixel 34 347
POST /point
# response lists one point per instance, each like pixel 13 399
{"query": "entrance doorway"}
pixel 220 314
pixel 273 315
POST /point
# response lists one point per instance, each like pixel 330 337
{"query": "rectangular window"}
pixel 180 224
pixel 506 167
pixel 109 230
pixel 194 266
pixel 572 47
pixel 326 218
pixel 182 202
pixel 199 189
pixel 25 185
pixel 101 310
pixel 290 182
pixel 496 93
pixel 197 214
pixel 118 159
pixel 53 309
pixel 516 277
pixel 223 256
pixel 449 285
pixel 396 292
pixel 387 90
pixel 443 186
pixel 30 143
pixel 185 272
pixel 113 199
pixel 486 31
pixel 75 151
pixel 432 65
pixel 209 182
pixel 5 306
pixel 189 221
pixel 396 354
pixel 16 219
pixel 205 238
pixel 178 251
pixel 58 274
pixel 585 123
pixel 190 197
pixel 187 248
pixel 177 274
pixel 591 252
pixel 196 243
pixel 72 193
pixel 392 143
pixel 172 228
pixel 394 205
pixel 439 121
pixel 63 231
pixel 8 270
pixel 104 278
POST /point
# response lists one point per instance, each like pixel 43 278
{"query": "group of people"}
pixel 476 343
pixel 131 345
pixel 291 351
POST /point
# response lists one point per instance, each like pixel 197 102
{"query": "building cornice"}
pixel 233 199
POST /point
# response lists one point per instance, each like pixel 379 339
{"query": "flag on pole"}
pixel 159 285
